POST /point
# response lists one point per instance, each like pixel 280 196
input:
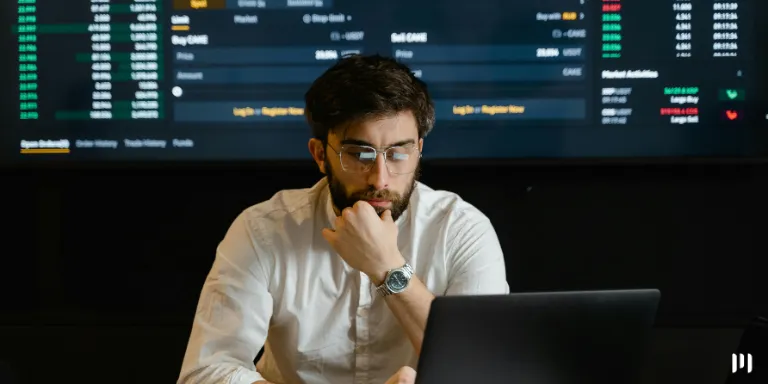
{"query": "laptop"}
pixel 586 337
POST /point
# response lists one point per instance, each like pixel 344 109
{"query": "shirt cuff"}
pixel 245 376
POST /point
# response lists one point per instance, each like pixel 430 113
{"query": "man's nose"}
pixel 379 174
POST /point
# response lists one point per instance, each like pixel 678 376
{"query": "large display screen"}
pixel 134 80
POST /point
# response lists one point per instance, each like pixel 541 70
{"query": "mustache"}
pixel 383 194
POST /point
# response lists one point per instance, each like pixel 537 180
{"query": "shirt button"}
pixel 362 311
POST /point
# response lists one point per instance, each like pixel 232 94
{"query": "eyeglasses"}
pixel 400 160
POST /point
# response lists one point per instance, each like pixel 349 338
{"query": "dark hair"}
pixel 359 87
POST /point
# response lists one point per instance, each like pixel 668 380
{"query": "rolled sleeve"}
pixel 476 262
pixel 233 313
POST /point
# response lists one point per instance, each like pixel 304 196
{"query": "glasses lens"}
pixel 356 158
pixel 360 159
pixel 402 160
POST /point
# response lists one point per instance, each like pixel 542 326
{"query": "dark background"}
pixel 102 268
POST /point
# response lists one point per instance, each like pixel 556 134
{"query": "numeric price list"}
pixel 26 32
pixel 683 10
pixel 117 49
pixel 125 61
pixel 611 29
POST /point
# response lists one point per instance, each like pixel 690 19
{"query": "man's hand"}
pixel 405 375
pixel 366 241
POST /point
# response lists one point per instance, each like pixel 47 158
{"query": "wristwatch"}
pixel 396 280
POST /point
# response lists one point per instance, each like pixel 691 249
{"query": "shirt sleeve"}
pixel 233 313
pixel 475 260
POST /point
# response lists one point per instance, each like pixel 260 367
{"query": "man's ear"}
pixel 317 150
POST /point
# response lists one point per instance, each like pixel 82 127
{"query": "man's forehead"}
pixel 380 130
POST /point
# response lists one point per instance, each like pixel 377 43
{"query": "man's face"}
pixel 383 189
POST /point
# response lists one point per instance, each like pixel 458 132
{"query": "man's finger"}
pixel 408 373
pixel 329 235
pixel 387 215
pixel 347 213
pixel 363 206
pixel 405 375
pixel 338 222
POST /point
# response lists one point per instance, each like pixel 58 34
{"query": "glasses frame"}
pixel 377 152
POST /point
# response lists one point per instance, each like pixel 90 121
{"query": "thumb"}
pixel 387 215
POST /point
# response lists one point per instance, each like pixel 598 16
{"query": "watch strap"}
pixel 383 290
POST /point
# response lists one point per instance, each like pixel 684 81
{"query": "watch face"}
pixel 397 281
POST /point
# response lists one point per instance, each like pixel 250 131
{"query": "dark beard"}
pixel 341 200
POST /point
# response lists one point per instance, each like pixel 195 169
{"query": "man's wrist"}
pixel 378 276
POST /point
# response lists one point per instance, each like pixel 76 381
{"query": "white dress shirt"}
pixel 276 282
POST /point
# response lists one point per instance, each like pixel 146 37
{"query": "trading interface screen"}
pixel 110 80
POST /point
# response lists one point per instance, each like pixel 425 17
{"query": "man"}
pixel 336 281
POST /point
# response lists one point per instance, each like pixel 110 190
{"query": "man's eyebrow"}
pixel 363 142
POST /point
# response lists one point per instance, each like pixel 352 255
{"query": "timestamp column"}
pixel 725 36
